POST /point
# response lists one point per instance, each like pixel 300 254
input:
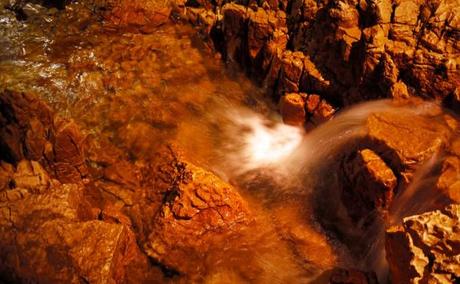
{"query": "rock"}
pixel 292 109
pixel 68 157
pixel 405 141
pixel 140 14
pixel 448 180
pixel 51 236
pixel 24 124
pixel 369 184
pixel 205 19
pixel 30 130
pixel 318 110
pixel 261 26
pixel 234 28
pixel 425 248
pixel 291 70
pixel 199 213
pixel 355 51
pixel 312 80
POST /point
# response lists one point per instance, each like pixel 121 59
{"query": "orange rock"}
pixel 417 250
pixel 369 184
pixel 30 130
pixel 140 14
pixel 199 213
pixel 292 109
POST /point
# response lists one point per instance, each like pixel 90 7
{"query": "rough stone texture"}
pixel 199 213
pixel 368 184
pixel 405 141
pixel 30 130
pixel 426 248
pixel 292 109
pixel 145 15
pixel 351 50
pixel 29 177
pixel 448 180
pixel 45 233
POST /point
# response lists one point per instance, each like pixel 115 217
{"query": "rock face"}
pixel 426 248
pixel 406 140
pixel 371 184
pixel 47 237
pixel 63 221
pixel 143 15
pixel 30 130
pixel 200 213
pixel 344 51
pixel 397 143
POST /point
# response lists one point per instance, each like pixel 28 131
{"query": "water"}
pixel 140 91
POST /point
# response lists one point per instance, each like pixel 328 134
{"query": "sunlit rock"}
pixel 426 248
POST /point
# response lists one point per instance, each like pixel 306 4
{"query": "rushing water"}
pixel 139 91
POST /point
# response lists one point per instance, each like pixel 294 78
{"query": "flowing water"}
pixel 139 91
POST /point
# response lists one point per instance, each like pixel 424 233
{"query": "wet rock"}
pixel 290 72
pixel 56 238
pixel 318 109
pixel 30 130
pixel 405 141
pixel 292 109
pixel 200 211
pixel 29 177
pixel 356 50
pixel 448 180
pixel 369 184
pixel 261 26
pixel 425 248
pixel 140 14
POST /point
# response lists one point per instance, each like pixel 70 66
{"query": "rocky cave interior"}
pixel 246 141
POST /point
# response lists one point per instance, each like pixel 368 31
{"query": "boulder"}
pixel 425 248
pixel 140 14
pixel 199 213
pixel 404 140
pixel 318 110
pixel 368 183
pixel 30 130
pixel 53 236
pixel 28 178
pixel 292 109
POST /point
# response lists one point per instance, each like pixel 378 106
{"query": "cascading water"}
pixel 294 160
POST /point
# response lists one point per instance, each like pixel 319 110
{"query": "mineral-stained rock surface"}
pixel 200 212
pixel 30 130
pixel 426 248
pixel 344 51
pixel 370 184
pixel 143 15
pixel 397 144
pixel 405 140
pixel 47 237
